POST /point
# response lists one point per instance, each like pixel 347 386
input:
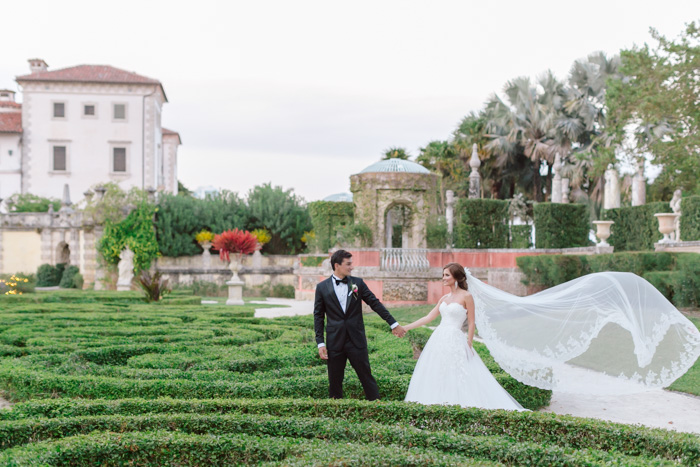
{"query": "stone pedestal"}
pixel 235 285
pixel 206 255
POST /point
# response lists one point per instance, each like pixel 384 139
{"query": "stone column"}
pixel 556 181
pixel 639 186
pixel 474 177
pixel 565 190
pixel 612 189
pixel 450 215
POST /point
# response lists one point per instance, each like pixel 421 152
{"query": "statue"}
pixel 449 215
pixel 611 197
pixel 639 186
pixel 676 208
pixel 474 177
pixel 126 270
pixel 556 181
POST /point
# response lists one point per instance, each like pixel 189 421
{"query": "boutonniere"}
pixel 353 289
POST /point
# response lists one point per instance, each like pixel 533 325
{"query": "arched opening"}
pixel 398 226
pixel 63 253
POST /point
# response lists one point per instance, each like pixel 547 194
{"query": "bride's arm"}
pixel 425 319
pixel 470 317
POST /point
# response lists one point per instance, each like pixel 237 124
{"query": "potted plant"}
pixel 237 243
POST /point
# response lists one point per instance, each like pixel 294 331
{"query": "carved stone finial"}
pixel 474 161
pixel 474 177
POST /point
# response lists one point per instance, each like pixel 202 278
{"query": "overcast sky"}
pixel 305 93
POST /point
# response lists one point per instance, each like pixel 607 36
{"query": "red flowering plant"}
pixel 238 242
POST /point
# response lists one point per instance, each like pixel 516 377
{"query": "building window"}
pixel 89 110
pixel 119 160
pixel 59 110
pixel 119 111
pixel 59 158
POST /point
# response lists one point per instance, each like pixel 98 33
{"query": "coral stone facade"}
pixel 86 125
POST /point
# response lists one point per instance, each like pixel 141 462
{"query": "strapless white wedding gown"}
pixel 449 372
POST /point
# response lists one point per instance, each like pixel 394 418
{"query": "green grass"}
pixel 689 382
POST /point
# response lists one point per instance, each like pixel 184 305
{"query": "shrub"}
pixel 355 235
pixel 203 289
pixel 180 218
pixel 48 275
pixel 27 202
pixel 635 228
pixel 282 291
pixel 675 275
pixel 561 225
pixel 310 261
pixel 481 223
pixel 327 217
pixel 436 233
pixel 520 236
pixel 153 286
pixel 135 232
pixel 69 279
pixel 690 218
pixel 17 284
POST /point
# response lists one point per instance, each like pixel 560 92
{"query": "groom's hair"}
pixel 338 256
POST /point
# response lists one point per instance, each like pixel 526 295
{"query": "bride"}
pixel 449 371
pixel 603 333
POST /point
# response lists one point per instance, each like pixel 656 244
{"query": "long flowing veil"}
pixel 608 332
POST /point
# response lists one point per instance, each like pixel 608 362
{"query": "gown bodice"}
pixel 453 315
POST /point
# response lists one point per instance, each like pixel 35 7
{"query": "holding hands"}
pixel 399 331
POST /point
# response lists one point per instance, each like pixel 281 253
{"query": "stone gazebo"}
pixel 395 198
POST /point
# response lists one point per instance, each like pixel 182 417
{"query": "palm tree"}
pixel 525 124
pixel 396 153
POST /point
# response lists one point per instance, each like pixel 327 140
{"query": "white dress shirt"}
pixel 341 291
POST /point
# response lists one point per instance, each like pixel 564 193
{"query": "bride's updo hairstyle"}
pixel 457 271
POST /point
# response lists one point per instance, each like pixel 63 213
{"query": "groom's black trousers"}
pixel 359 359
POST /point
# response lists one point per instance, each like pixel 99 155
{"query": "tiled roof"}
pixel 13 105
pixel 10 122
pixel 89 74
pixel 167 132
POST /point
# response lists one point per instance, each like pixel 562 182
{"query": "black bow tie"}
pixel 344 280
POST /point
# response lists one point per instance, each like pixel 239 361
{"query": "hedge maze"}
pixel 115 382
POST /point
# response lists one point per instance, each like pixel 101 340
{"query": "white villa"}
pixel 81 126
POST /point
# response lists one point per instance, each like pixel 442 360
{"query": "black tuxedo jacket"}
pixel 349 325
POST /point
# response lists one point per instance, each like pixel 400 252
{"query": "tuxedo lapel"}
pixel 334 297
pixel 351 296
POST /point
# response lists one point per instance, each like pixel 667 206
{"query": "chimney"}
pixel 7 95
pixel 36 65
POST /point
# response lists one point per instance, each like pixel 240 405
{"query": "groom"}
pixel 339 299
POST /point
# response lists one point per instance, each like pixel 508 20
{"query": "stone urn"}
pixel 235 285
pixel 667 225
pixel 206 255
pixel 603 231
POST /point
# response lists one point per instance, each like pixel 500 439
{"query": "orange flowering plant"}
pixel 234 241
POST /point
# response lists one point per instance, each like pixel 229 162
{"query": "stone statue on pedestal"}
pixel 126 270
pixel 611 198
pixel 639 185
pixel 676 208
pixel 474 177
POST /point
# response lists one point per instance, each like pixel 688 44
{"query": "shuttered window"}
pixel 119 159
pixel 59 158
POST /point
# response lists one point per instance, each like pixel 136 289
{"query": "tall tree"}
pixel 659 98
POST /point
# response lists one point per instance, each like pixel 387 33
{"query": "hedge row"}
pixel 561 225
pixel 635 227
pixel 690 218
pixel 105 351
pixel 676 275
pixel 481 223
pixel 371 435
pixel 503 436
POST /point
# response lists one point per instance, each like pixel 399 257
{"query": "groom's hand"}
pixel 399 331
pixel 323 353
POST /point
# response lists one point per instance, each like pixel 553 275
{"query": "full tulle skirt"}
pixel 448 372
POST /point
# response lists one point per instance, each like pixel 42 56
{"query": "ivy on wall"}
pixel 135 232
pixel 327 217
